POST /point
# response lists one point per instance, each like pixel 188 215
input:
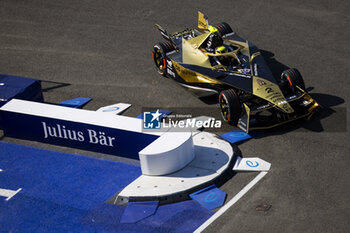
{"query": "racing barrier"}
pixel 20 88
pixel 160 153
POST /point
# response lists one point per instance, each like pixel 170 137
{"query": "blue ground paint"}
pixel 67 193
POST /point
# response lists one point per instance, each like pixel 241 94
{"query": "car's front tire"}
pixel 230 106
pixel 294 78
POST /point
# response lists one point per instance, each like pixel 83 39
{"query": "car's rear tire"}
pixel 223 28
pixel 294 78
pixel 159 56
pixel 230 106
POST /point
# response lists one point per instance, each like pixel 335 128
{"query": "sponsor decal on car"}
pixel 170 68
pixel 255 69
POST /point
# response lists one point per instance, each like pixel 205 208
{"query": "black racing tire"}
pixel 159 56
pixel 294 78
pixel 230 106
pixel 223 28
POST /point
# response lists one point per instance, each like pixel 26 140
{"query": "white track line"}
pixel 231 202
pixel 8 193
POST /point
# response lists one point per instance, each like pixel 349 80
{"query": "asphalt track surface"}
pixel 102 49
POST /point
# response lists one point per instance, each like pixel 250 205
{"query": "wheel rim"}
pixel 286 77
pixel 224 107
pixel 158 59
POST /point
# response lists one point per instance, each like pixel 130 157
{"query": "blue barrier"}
pixel 20 88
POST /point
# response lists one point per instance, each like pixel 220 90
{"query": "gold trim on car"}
pixel 254 56
pixel 271 92
pixel 190 76
pixel 194 56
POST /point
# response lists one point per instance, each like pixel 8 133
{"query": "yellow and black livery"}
pixel 214 60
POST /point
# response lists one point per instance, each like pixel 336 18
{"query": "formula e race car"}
pixel 215 60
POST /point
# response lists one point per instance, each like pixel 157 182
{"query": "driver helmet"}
pixel 221 50
pixel 212 29
pixel 214 40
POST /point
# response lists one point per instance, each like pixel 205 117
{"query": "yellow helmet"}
pixel 221 50
pixel 212 29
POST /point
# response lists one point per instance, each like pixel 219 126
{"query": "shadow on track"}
pixel 50 85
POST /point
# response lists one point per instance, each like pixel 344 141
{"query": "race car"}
pixel 211 60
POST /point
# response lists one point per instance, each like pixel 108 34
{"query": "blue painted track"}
pixel 67 193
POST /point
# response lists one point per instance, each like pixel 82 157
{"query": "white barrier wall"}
pixel 167 154
pixel 160 153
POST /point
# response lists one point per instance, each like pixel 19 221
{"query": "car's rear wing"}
pixel 202 21
pixel 166 35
